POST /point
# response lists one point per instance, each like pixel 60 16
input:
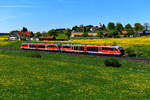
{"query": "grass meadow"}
pixel 139 45
pixel 70 77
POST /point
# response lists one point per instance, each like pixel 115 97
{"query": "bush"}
pixel 112 62
pixel 130 52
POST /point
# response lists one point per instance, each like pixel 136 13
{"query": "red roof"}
pixel 24 33
pixel 92 34
pixel 48 37
pixel 77 33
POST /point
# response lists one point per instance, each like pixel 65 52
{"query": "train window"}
pixel 110 49
pixel 103 48
pixel 115 49
pixel 51 46
pixel 100 49
pixel 92 48
pixel 41 46
pixel 24 45
pixel 32 46
pixel 66 47
pixel 120 48
pixel 78 48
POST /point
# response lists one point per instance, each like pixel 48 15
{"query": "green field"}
pixel 141 51
pixel 65 77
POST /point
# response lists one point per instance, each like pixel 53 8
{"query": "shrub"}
pixel 112 62
pixel 130 52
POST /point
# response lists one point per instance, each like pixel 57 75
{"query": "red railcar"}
pixel 94 49
pixel 53 47
pixel 40 46
pixel 24 46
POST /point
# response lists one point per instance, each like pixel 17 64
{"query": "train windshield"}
pixel 120 48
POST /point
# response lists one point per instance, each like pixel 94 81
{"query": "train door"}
pixel 100 49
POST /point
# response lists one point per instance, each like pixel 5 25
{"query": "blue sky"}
pixel 43 15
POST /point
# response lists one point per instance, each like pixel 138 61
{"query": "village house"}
pixel 80 34
pixel 20 35
pixel 47 38
pixel 76 34
pixel 92 34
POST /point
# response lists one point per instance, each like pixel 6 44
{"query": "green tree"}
pixel 88 27
pixel 138 27
pixel 24 29
pixel 113 33
pixel 119 27
pixel 11 32
pixel 104 27
pixel 129 29
pixel 68 33
pixel 111 26
pixel 37 35
pixel 75 28
pixel 52 33
pixel 100 33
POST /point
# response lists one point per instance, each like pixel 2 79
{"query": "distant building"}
pixel 20 35
pixel 76 34
pixel 80 34
pixel 124 32
pixel 92 34
pixel 47 38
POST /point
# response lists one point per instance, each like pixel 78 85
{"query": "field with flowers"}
pixel 140 45
pixel 65 77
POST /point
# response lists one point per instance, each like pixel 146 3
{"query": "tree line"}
pixel 111 29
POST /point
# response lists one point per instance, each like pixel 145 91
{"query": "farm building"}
pixel 47 38
pixel 92 34
pixel 20 35
pixel 80 34
pixel 76 34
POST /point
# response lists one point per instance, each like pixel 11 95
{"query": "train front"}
pixel 122 51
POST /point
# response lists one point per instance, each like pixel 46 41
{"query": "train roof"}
pixel 76 44
pixel 93 45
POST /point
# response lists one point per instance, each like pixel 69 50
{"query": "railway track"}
pixel 147 60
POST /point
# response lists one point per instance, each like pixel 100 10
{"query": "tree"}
pixel 52 33
pixel 75 28
pixel 138 27
pixel 111 26
pixel 113 33
pixel 119 27
pixel 68 33
pixel 88 27
pixel 129 29
pixel 104 27
pixel 100 33
pixel 37 35
pixel 24 29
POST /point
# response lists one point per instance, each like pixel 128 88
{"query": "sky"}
pixel 43 15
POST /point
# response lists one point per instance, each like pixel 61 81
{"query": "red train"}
pixel 94 49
